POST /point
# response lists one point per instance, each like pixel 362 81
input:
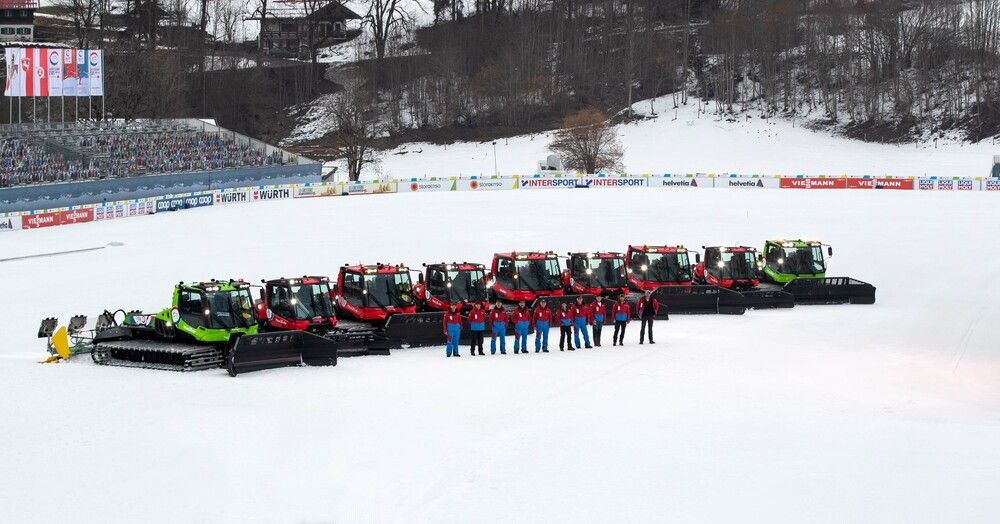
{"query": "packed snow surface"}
pixel 693 139
pixel 881 413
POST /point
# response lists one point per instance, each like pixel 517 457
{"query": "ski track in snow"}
pixel 882 413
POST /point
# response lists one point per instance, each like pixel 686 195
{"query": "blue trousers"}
pixel 521 335
pixel 501 333
pixel 580 324
pixel 541 336
pixel 454 333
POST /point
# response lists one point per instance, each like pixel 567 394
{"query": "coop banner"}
pixel 175 202
pixel 427 185
pixel 571 182
pixel 880 183
pixel 614 181
pixel 485 184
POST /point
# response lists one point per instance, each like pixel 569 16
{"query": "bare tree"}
pixel 85 15
pixel 355 132
pixel 384 18
pixel 588 143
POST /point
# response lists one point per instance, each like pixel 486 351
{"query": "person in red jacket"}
pixel 598 310
pixel 452 329
pixel 620 312
pixel 477 325
pixel 498 320
pixel 581 317
pixel 565 319
pixel 521 318
pixel 646 309
pixel 542 319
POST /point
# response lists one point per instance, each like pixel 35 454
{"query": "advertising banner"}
pixel 485 184
pixel 10 223
pixel 966 184
pixel 615 181
pixel 74 216
pixel 880 183
pixel 95 67
pixel 925 184
pixel 82 73
pixel 54 70
pixel 315 190
pixel 15 72
pixel 747 182
pixel 41 220
pixel 173 203
pixel 945 184
pixel 271 193
pixel 570 182
pixel 427 185
pixel 70 74
pixel 233 196
pixel 368 188
pixel 679 181
pixel 991 184
pixel 813 183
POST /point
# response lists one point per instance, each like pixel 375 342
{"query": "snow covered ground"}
pixel 684 140
pixel 883 413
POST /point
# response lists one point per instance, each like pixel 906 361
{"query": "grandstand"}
pixel 55 165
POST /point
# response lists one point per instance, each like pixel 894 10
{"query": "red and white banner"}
pixel 15 73
pixel 880 183
pixel 37 220
pixel 37 71
pixel 813 183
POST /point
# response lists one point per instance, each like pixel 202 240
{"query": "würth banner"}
pixel 37 71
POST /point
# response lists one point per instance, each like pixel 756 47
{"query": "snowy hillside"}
pixel 684 140
pixel 881 413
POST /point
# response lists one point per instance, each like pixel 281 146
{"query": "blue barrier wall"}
pixel 49 196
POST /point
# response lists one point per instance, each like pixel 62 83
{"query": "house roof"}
pixel 294 9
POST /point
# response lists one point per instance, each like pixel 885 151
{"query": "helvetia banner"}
pixel 10 223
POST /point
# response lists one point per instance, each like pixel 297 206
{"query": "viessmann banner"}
pixel 45 72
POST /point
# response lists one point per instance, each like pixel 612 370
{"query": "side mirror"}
pixel 420 278
pixel 697 258
pixel 829 251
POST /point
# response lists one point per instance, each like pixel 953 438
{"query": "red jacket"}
pixel 498 316
pixel 477 315
pixel 622 307
pixel 642 303
pixel 542 314
pixel 599 309
pixel 564 315
pixel 521 315
pixel 451 318
pixel 580 311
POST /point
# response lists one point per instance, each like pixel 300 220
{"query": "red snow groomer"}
pixel 525 275
pixel 303 304
pixel 381 295
pixel 737 268
pixel 461 283
pixel 650 267
pixel 596 273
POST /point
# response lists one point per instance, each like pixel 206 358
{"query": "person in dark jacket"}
pixel 452 329
pixel 598 310
pixel 541 319
pixel 621 312
pixel 521 318
pixel 477 325
pixel 565 320
pixel 646 309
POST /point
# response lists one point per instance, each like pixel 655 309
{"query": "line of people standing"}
pixel 573 321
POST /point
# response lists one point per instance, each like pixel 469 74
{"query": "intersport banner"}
pixel 551 183
pixel 614 181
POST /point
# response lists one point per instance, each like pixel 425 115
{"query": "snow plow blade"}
pixel 282 349
pixel 831 290
pixel 415 329
pixel 700 299
pixel 768 299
